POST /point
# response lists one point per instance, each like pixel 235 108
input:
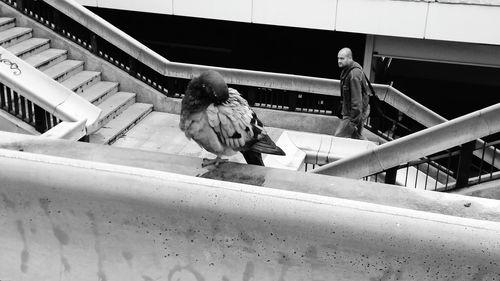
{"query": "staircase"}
pixel 124 122
pixel 120 110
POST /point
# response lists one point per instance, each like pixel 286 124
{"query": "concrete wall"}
pixel 463 21
pixel 69 219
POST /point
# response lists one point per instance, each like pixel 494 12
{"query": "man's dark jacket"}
pixel 353 89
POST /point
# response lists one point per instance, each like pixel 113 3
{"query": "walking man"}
pixel 354 94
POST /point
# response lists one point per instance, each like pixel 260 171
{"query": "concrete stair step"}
pixel 117 127
pixel 7 23
pixel 158 131
pixel 14 35
pixel 47 58
pixel 82 80
pixel 100 91
pixel 29 47
pixel 64 69
pixel 115 105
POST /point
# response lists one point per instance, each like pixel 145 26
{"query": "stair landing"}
pixel 160 132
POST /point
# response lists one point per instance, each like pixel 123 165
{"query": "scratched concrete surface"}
pixel 442 203
pixel 67 219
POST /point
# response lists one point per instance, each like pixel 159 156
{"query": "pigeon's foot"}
pixel 212 162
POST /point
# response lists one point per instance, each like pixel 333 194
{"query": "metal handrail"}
pixel 294 83
pixel 431 140
pixel 183 70
pixel 46 92
pixel 289 82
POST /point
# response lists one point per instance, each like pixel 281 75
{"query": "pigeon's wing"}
pixel 199 129
pixel 231 123
pixel 238 127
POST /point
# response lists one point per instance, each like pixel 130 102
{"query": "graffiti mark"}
pixel 24 253
pixel 12 65
pixel 101 275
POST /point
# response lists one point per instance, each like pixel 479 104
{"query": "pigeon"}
pixel 220 120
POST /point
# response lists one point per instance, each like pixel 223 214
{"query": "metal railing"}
pixel 24 109
pixel 447 170
pixel 20 106
pixel 262 89
pixel 39 100
pixel 402 115
pixel 393 156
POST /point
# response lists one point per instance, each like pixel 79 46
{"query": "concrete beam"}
pixel 71 219
pixel 390 195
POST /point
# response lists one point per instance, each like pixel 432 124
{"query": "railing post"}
pixel 56 20
pixel 93 44
pixel 132 64
pixel 40 120
pixel 20 5
pixel 292 100
pixel 2 96
pixel 464 164
pixel 171 86
pixel 390 175
pixel 251 95
pixel 16 103
pixel 10 107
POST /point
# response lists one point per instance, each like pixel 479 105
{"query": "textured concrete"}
pixel 436 202
pixel 160 132
pixel 67 219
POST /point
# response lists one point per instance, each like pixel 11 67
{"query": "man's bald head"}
pixel 344 57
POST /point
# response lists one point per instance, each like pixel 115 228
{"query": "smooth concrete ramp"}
pixel 159 131
pixel 66 219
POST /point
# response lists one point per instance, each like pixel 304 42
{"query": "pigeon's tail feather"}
pixel 252 157
pixel 266 145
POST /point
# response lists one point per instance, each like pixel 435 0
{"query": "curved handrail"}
pixel 272 80
pixel 431 140
pixel 46 92
pixel 145 55
pixel 289 82
pixel 183 70
pixel 408 106
pixel 235 76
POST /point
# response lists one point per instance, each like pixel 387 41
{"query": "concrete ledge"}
pixel 87 220
pixel 377 193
